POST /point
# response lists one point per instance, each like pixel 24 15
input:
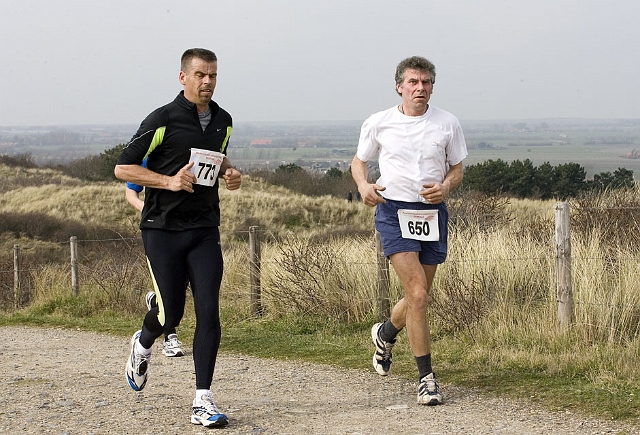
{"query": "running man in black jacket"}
pixel 185 145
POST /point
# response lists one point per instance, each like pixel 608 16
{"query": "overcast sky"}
pixel 70 62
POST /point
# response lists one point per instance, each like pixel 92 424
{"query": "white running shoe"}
pixel 137 366
pixel 382 355
pixel 172 346
pixel 206 413
pixel 150 300
pixel 429 391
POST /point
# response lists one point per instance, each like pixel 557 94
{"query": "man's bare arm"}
pixel 368 191
pixel 183 180
pixel 435 193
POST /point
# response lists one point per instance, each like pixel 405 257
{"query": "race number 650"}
pixel 419 224
pixel 418 228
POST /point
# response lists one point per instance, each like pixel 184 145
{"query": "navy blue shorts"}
pixel 388 226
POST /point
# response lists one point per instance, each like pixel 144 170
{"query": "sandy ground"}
pixel 68 382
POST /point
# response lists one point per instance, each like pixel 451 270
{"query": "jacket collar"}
pixel 183 102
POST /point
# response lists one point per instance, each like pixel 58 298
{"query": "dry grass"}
pixel 318 255
pixel 14 177
pixel 93 204
pixel 333 278
pixel 279 211
pixel 495 293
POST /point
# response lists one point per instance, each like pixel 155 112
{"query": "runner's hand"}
pixel 370 195
pixel 434 193
pixel 233 178
pixel 183 180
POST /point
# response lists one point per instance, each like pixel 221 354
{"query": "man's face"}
pixel 199 82
pixel 416 89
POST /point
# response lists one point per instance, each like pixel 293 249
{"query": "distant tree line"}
pixel 23 160
pixel 519 179
pixel 94 168
pixel 522 179
pixel 492 177
pixel 334 182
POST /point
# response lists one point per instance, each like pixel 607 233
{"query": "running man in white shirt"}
pixel 420 150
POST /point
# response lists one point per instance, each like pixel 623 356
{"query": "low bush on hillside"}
pixel 614 214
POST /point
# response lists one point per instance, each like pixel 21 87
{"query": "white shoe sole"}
pixel 206 423
pixel 130 371
pixel 172 354
pixel 374 337
pixel 430 400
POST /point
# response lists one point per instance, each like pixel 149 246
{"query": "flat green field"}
pixel 594 159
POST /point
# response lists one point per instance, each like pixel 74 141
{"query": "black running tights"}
pixel 175 257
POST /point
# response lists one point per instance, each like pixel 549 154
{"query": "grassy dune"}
pixel 493 312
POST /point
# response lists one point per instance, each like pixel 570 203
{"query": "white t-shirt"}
pixel 413 150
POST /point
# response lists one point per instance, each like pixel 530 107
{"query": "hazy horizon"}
pixel 85 63
pixel 338 122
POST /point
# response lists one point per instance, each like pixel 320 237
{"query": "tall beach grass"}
pixel 493 307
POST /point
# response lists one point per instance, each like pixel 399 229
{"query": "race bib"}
pixel 419 225
pixel 206 166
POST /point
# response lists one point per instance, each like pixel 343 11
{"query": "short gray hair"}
pixel 415 62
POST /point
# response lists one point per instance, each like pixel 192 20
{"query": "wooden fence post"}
pixel 383 281
pixel 563 264
pixel 254 271
pixel 73 243
pixel 17 290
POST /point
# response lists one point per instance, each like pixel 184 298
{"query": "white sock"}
pixel 199 394
pixel 142 350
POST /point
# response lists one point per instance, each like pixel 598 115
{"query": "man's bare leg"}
pixel 411 310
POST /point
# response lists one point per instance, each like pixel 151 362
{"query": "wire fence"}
pixel 118 264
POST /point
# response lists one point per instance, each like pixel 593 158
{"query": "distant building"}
pixel 261 143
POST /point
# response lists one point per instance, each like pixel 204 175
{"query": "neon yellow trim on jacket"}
pixel 226 140
pixel 158 136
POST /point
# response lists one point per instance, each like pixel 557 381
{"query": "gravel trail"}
pixel 67 382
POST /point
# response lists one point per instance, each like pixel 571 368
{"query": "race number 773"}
pixel 206 165
pixel 211 169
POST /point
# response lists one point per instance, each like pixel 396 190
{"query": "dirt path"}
pixel 67 382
